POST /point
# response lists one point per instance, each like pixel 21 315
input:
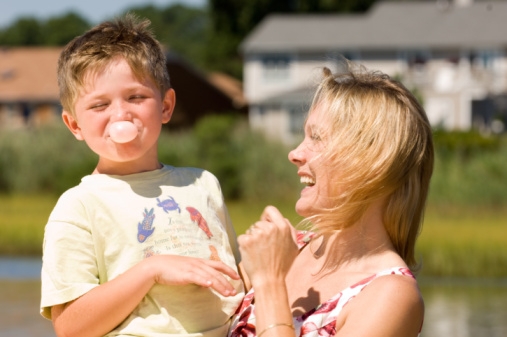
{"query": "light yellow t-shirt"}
pixel 107 224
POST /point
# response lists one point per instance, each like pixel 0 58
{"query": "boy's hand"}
pixel 182 270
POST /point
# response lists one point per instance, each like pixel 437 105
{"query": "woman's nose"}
pixel 296 155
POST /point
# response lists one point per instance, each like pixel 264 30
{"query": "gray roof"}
pixel 388 25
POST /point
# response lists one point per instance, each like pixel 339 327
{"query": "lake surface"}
pixel 454 308
pixel 458 308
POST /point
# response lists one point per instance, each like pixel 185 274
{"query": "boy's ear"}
pixel 72 125
pixel 168 104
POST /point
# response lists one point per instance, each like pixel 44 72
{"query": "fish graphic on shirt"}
pixel 145 228
pixel 197 218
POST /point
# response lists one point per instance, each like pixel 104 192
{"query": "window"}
pixel 276 67
pixel 488 58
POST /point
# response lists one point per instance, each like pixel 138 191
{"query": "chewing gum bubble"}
pixel 122 132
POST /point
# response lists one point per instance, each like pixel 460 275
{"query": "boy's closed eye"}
pixel 137 98
pixel 98 106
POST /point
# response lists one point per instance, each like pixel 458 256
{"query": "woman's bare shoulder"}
pixel 391 305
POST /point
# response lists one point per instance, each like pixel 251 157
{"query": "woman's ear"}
pixel 168 104
pixel 72 125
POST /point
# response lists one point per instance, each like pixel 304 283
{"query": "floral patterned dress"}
pixel 320 321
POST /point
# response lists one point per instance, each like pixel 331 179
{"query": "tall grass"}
pixel 464 242
pixel 22 223
pixel 460 244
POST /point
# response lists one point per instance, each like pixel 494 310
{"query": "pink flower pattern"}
pixel 318 322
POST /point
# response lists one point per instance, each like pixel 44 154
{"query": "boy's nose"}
pixel 120 112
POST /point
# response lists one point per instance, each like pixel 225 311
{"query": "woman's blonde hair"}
pixel 128 38
pixel 379 141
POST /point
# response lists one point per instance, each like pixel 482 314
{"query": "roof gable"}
pixel 388 25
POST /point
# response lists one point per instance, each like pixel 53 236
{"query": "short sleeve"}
pixel 69 267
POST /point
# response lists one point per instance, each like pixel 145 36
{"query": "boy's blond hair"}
pixel 126 37
pixel 380 146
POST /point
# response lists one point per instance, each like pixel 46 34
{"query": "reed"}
pixel 466 242
pixel 456 242
pixel 460 242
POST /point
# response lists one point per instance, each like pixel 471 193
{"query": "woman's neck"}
pixel 364 244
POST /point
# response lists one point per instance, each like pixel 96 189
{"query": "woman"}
pixel 366 161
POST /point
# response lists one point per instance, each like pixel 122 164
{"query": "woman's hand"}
pixel 268 248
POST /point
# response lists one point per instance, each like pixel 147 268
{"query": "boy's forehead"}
pixel 93 71
pixel 89 78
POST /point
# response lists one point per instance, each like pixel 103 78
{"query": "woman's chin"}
pixel 303 208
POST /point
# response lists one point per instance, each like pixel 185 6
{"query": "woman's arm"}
pixel 268 251
pixel 104 307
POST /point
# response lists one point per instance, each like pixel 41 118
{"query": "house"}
pixel 29 90
pixel 452 52
pixel 28 86
pixel 199 94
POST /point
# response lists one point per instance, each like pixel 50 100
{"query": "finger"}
pixel 243 239
pixel 292 230
pixel 223 268
pixel 254 227
pixel 209 277
pixel 272 214
pixel 222 285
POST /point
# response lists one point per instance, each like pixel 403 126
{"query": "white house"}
pixel 452 52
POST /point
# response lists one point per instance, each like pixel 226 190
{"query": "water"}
pixel 458 308
pixel 19 299
pixel 454 308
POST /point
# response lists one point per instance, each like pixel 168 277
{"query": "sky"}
pixel 94 11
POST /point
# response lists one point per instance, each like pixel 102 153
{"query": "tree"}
pixel 25 31
pixel 233 20
pixel 60 30
pixel 179 28
pixel 28 31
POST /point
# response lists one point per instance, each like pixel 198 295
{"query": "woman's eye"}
pixel 315 137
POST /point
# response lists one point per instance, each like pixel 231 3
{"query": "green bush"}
pixel 219 153
pixel 247 165
pixel 470 169
pixel 47 159
pixel 267 175
pixel 464 143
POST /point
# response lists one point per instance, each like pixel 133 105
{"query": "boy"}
pixel 138 248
